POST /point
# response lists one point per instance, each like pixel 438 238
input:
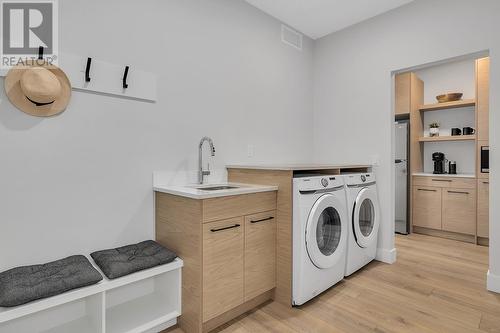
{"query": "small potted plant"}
pixel 434 129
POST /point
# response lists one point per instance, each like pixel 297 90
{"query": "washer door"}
pixel 365 217
pixel 326 231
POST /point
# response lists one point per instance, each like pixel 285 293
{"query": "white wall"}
pixel 82 181
pixel 353 96
pixel 450 77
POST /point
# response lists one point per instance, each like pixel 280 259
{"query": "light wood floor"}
pixel 437 285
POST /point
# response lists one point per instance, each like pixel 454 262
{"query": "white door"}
pixel 365 217
pixel 326 231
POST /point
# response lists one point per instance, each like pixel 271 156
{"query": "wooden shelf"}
pixel 449 105
pixel 447 138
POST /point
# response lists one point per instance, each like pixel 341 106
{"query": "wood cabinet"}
pixel 260 253
pixel 483 208
pixel 483 98
pixel 228 245
pixel 427 207
pixel 445 182
pixel 403 93
pixel 459 210
pixel 223 244
pixel 445 203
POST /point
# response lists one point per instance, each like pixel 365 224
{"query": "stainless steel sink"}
pixel 216 187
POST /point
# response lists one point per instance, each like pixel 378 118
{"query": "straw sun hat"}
pixel 38 88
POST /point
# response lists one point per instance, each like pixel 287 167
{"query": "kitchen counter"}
pixel 461 175
pixel 297 167
pixel 192 191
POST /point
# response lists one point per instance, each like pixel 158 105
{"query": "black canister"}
pixel 452 168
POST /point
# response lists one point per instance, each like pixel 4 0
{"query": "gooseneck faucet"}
pixel 201 172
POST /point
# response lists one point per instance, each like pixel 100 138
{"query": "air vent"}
pixel 291 37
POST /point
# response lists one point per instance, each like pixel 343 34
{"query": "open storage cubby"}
pixel 143 305
pixel 79 316
pixel 146 301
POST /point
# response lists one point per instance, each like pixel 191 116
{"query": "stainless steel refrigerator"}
pixel 402 179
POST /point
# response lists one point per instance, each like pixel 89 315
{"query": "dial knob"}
pixel 324 182
pixel 363 178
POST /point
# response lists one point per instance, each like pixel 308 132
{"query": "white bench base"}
pixel 142 302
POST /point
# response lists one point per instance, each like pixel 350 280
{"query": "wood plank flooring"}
pixel 437 285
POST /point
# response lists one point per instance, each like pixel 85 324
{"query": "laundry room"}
pixel 188 166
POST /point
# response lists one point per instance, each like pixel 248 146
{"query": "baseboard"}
pixel 387 256
pixel 493 282
pixel 445 234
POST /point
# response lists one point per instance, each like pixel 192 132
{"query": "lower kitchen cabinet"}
pixel 446 204
pixel 459 210
pixel 260 254
pixel 427 207
pixel 228 245
pixel 483 186
pixel 223 271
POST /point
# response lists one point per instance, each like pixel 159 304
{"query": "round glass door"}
pixel 365 218
pixel 326 231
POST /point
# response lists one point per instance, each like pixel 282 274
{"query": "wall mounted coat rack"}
pixel 91 74
pixel 107 78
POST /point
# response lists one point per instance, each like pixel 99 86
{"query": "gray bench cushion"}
pixel 25 284
pixel 132 258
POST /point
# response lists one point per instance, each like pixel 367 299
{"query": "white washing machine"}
pixel 364 220
pixel 320 228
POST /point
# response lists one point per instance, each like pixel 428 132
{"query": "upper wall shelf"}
pixel 449 105
pixel 447 138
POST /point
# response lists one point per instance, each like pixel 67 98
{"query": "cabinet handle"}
pixel 486 183
pixel 426 190
pixel 262 220
pixel 225 228
pixel 458 192
pixel 442 180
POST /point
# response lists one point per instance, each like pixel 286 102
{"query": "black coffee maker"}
pixel 439 163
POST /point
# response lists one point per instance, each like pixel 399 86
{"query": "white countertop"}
pixel 460 175
pixel 299 167
pixel 192 191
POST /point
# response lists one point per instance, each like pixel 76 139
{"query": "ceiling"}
pixel 318 18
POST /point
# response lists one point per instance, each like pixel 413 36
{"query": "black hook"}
pixel 87 70
pixel 40 53
pixel 125 84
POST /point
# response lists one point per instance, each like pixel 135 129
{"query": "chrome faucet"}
pixel 201 172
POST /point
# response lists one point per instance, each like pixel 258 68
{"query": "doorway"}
pixel 442 179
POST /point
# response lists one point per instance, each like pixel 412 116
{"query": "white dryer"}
pixel 320 231
pixel 364 215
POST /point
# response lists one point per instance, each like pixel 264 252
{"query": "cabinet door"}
pixel 402 87
pixel 427 207
pixel 260 254
pixel 223 244
pixel 483 211
pixel 483 97
pixel 459 210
